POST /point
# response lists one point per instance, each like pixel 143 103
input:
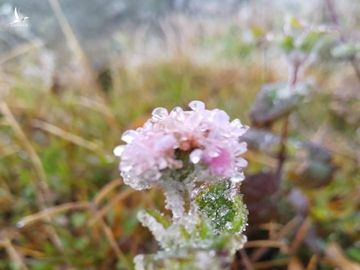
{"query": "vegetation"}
pixel 64 206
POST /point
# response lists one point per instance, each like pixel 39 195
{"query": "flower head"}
pixel 182 141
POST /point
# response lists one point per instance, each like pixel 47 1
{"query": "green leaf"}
pixel 287 43
pixel 354 253
pixel 163 220
pixel 310 40
pixel 346 50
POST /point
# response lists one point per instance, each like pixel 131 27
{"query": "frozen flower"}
pixel 170 144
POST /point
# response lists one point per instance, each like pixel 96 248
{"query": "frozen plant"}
pixel 195 157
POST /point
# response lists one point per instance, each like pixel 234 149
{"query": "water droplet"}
pixel 195 156
pixel 129 135
pixel 118 150
pixel 238 178
pixel 236 123
pixel 159 113
pixel 197 105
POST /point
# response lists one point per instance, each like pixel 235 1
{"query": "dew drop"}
pixel 118 150
pixel 238 178
pixel 159 113
pixel 197 105
pixel 129 136
pixel 195 156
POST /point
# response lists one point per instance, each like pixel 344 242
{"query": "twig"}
pixel 281 156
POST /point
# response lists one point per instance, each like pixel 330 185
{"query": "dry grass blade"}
pixel 35 159
pixel 67 136
pixel 22 49
pixel 5 110
pixel 282 233
pixel 112 241
pixel 51 212
pixel 14 255
pixel 102 212
pixel 270 264
pixel 8 150
pixel 106 190
pixel 312 263
pixel 266 243
pixel 295 264
pixel 246 260
pixel 300 235
pixel 96 106
pixel 79 53
pixel 335 256
pixel 290 226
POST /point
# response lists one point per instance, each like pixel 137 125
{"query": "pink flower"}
pixel 219 165
pixel 170 141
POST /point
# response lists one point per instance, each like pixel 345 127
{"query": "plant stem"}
pixel 281 156
pixel 334 18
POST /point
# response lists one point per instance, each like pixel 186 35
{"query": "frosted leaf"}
pixel 159 113
pixel 129 136
pixel 154 226
pixel 195 156
pixel 135 182
pixel 222 207
pixel 118 150
pixel 197 105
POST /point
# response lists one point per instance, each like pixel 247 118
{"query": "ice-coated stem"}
pixel 174 199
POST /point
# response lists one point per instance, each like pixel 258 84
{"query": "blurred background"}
pixel 75 74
